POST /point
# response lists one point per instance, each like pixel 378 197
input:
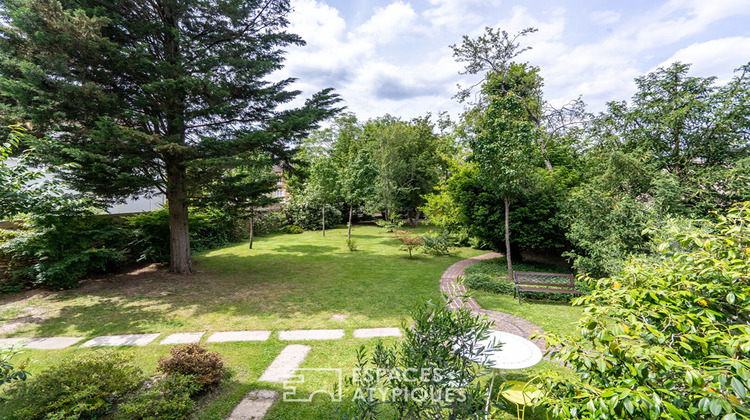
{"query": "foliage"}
pixel 140 93
pixel 351 243
pixel 668 336
pixel 85 386
pixel 270 222
pixel 439 244
pixel 206 369
pixel 64 247
pixel 441 342
pixel 293 229
pixel 392 225
pixel 408 242
pixel 209 228
pixel 406 156
pixel 10 372
pixel 305 211
pixel 168 399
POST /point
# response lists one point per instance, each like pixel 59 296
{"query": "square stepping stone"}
pixel 226 336
pixel 51 343
pixel 377 332
pixel 7 342
pixel 121 340
pixel 183 338
pixel 255 405
pixel 299 335
pixel 286 363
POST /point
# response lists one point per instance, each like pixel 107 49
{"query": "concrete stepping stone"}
pixel 183 338
pixel 255 405
pixel 377 332
pixel 48 343
pixel 286 363
pixel 121 340
pixel 226 336
pixel 299 335
pixel 7 342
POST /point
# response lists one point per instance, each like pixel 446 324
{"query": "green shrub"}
pixel 168 399
pixel 209 228
pixel 86 386
pixel 390 226
pixel 63 248
pixel 307 213
pixel 434 347
pixel 437 245
pixel 194 360
pixel 10 372
pixel 293 229
pixel 351 244
pixel 270 222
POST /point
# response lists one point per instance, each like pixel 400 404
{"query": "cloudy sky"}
pixel 386 56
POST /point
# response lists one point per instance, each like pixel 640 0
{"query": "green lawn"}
pixel 285 282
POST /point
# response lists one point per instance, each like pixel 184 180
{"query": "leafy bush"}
pixel 390 226
pixel 83 387
pixel 206 368
pixel 437 245
pixel 168 399
pixel 209 228
pixel 63 248
pixel 270 222
pixel 351 244
pixel 307 213
pixel 10 372
pixel 437 343
pixel 668 336
pixel 293 229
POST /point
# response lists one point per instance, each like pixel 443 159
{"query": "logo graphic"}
pixel 313 374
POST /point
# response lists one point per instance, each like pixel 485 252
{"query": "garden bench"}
pixel 526 281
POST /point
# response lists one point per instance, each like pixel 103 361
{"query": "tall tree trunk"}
pixel 507 237
pixel 349 234
pixel 416 219
pixel 324 219
pixel 252 230
pixel 179 233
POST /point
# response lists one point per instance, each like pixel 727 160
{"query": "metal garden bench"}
pixel 526 281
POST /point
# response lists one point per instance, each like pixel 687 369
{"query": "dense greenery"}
pixel 668 336
pixel 154 96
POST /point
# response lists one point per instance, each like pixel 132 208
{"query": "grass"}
pixel 285 282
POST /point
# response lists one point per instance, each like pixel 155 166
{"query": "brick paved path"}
pixel 501 321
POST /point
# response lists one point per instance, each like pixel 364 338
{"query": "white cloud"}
pixel 456 13
pixel 604 17
pixel 390 23
pixel 718 57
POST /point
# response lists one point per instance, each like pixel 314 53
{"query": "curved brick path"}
pixel 501 321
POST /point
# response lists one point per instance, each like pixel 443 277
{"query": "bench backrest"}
pixel 544 279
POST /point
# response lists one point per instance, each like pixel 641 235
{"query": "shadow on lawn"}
pixel 243 291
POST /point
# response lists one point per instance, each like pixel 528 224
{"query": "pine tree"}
pixel 137 92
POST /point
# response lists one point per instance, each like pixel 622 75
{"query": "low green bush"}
pixel 307 213
pixel 11 371
pixel 86 386
pixel 209 228
pixel 293 229
pixel 351 244
pixel 270 222
pixel 390 226
pixel 206 368
pixel 168 399
pixel 439 244
pixel 60 249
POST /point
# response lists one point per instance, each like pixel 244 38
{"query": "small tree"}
pixel 358 183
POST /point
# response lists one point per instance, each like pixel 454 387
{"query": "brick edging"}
pixel 501 321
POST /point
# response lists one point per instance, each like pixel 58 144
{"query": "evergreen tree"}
pixel 138 91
